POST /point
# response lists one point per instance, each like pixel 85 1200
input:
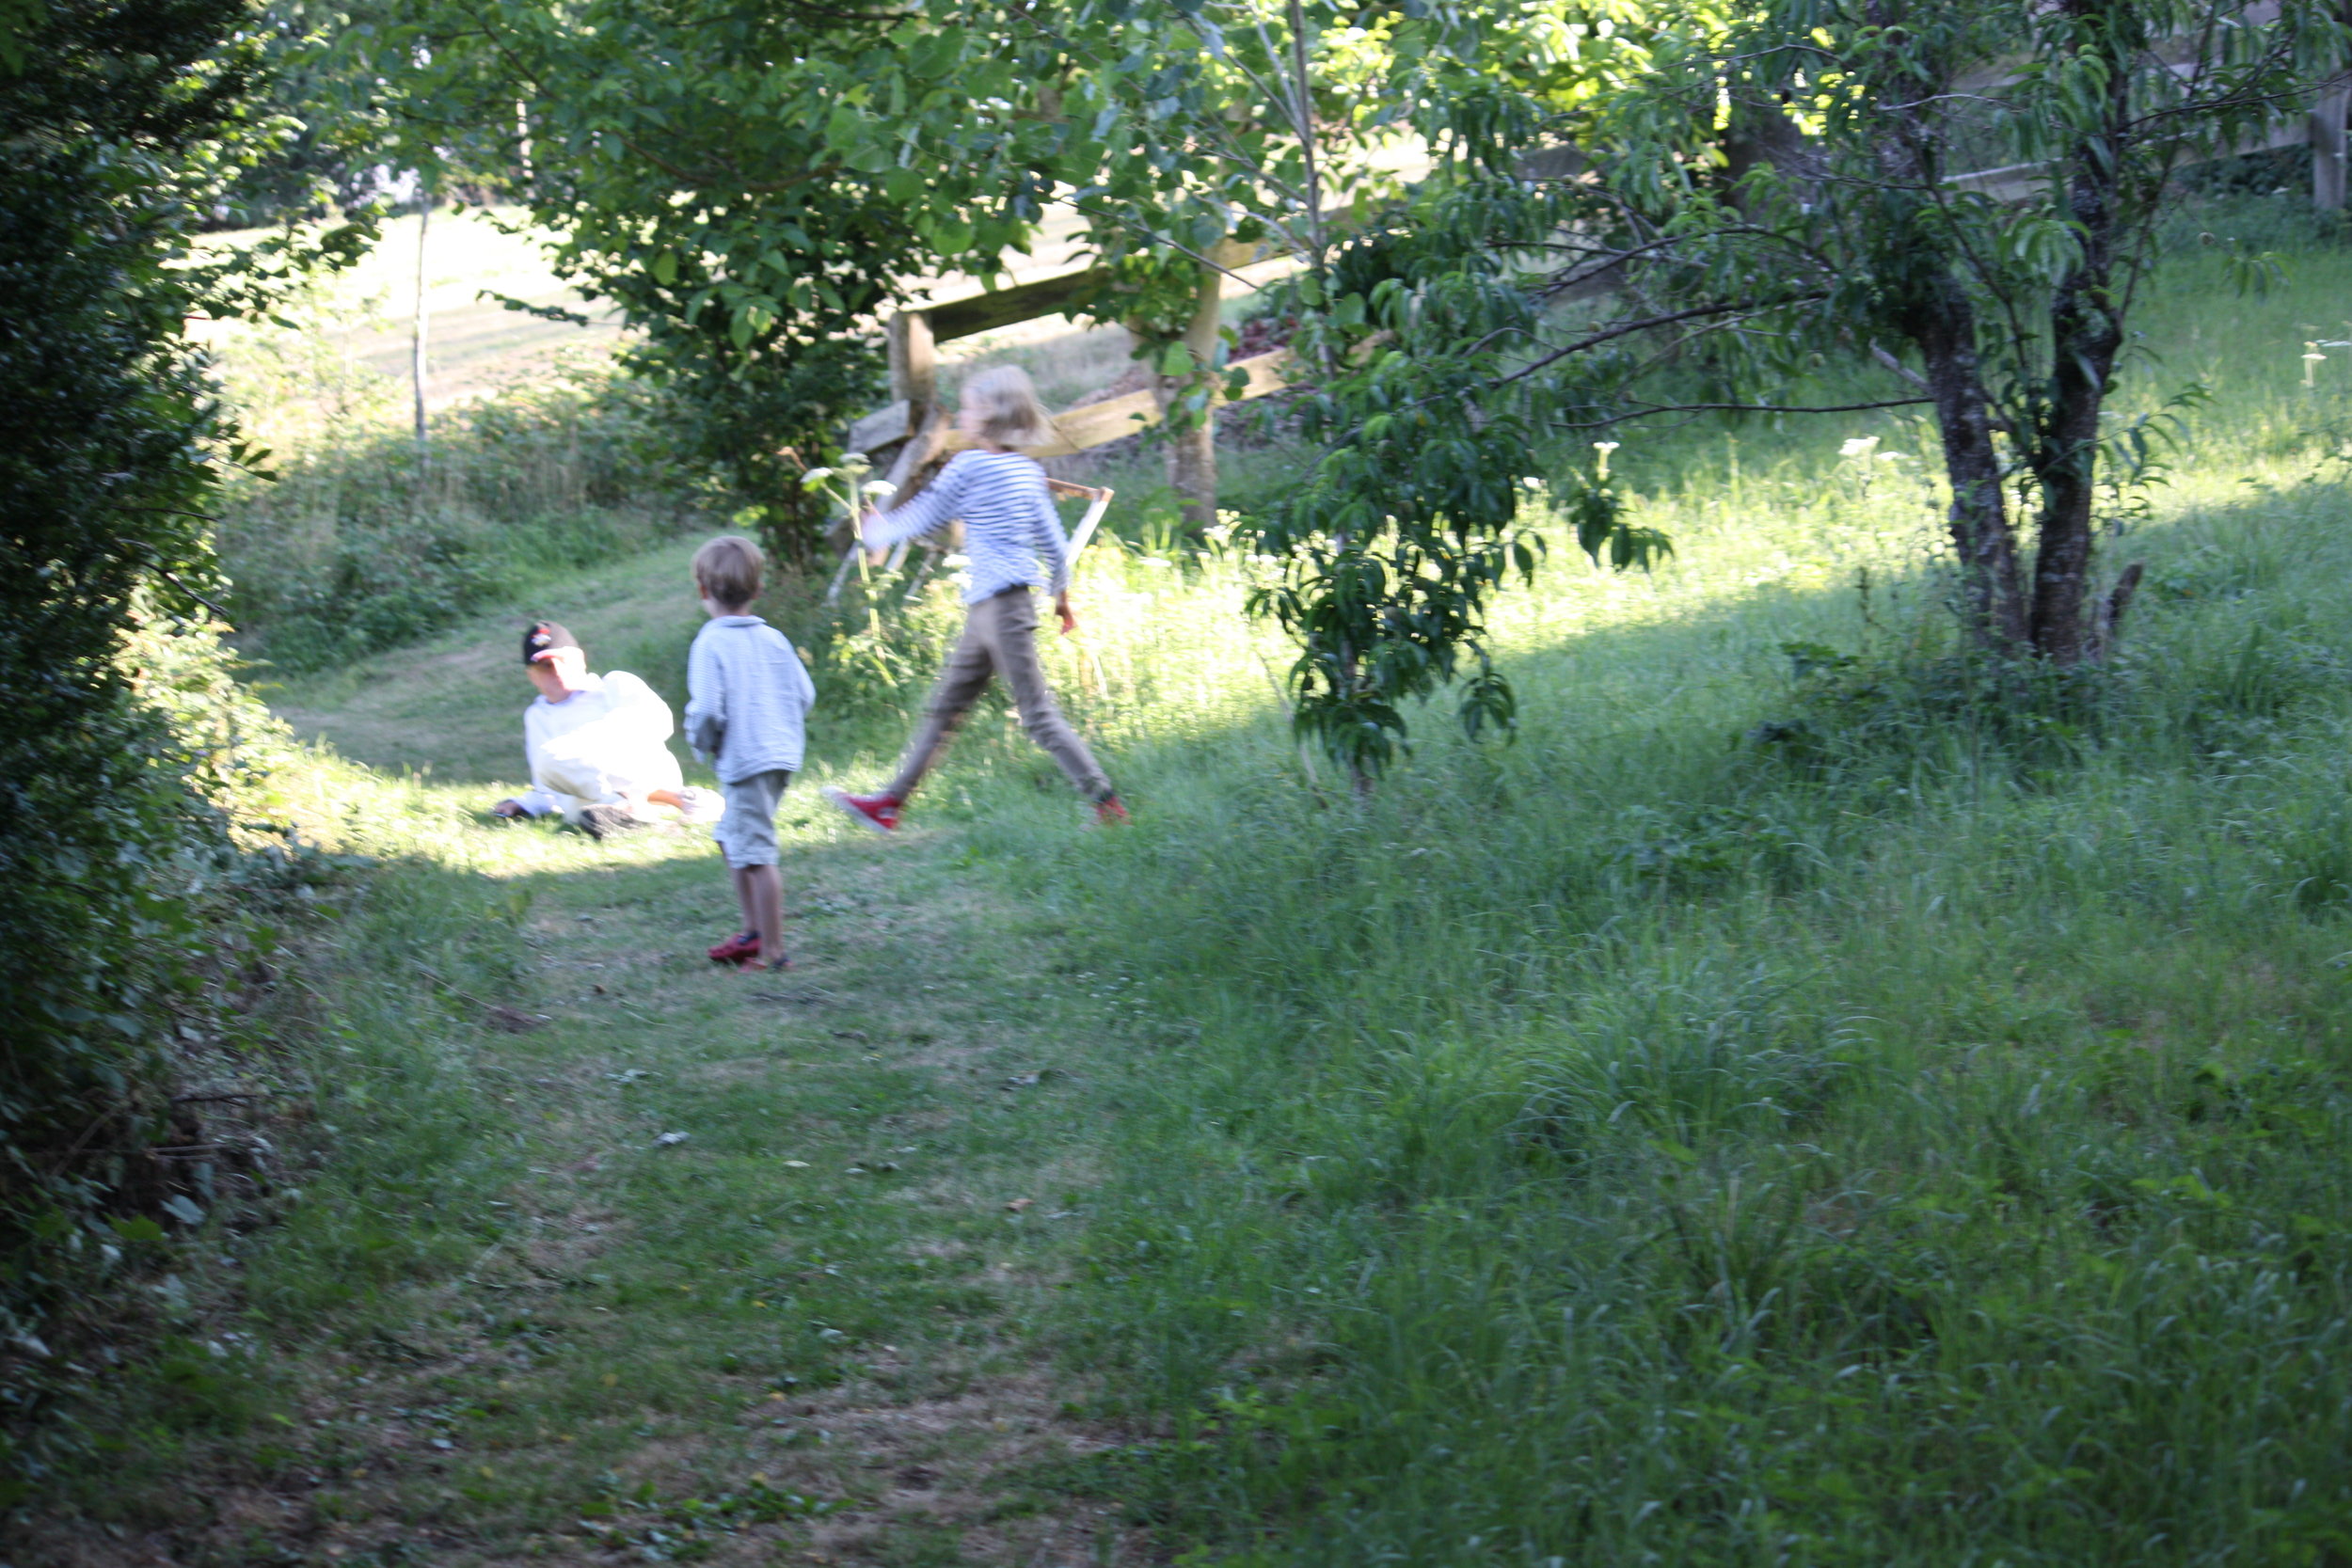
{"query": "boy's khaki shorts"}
pixel 747 834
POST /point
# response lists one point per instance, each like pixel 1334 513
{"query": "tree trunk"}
pixel 1763 137
pixel 1192 448
pixel 1946 333
pixel 1941 320
pixel 1191 442
pixel 2327 149
pixel 2085 337
pixel 422 320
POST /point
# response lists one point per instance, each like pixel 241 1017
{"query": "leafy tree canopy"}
pixel 752 186
pixel 1760 194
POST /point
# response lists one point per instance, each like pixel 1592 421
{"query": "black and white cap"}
pixel 543 639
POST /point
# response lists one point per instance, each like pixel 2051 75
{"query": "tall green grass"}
pixel 1783 1109
pixel 315 1136
pixel 358 539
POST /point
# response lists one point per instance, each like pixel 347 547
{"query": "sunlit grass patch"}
pixel 1643 1142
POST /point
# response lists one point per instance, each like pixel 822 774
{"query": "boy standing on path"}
pixel 748 697
pixel 1013 538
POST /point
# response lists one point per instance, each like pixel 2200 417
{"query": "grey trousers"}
pixel 999 639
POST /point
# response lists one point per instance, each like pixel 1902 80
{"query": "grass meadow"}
pixel 1657 1141
pixel 1780 1109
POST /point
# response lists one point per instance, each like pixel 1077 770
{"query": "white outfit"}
pixel 606 744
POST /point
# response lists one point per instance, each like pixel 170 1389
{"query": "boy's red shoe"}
pixel 878 812
pixel 743 944
pixel 1108 812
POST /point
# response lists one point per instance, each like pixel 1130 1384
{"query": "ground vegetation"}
pixel 1803 1102
pixel 1740 205
pixel 1818 1100
pixel 123 744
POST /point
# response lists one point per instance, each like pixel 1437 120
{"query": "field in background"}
pixel 344 357
pixel 544 469
pixel 543 457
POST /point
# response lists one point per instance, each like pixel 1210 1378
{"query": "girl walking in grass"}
pixel 1015 543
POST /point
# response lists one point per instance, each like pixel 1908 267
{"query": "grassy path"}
pixel 799 1321
pixel 797 1325
pixel 763 1253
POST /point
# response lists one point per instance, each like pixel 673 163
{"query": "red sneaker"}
pixel 1108 812
pixel 743 944
pixel 878 812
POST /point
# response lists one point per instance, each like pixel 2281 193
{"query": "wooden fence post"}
pixel 2327 151
pixel 914 382
pixel 913 431
pixel 914 364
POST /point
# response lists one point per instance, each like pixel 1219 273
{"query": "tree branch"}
pixel 1645 410
pixel 1697 312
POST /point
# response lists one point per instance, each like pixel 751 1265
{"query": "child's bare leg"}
pixel 761 890
pixel 742 874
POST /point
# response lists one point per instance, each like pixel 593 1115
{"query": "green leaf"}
pixel 18 19
pixel 845 130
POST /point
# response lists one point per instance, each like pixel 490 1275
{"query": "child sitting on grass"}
pixel 1013 539
pixel 598 745
pixel 748 697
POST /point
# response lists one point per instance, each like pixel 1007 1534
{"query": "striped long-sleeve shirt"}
pixel 1009 525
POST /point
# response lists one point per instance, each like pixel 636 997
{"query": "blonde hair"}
pixel 1010 414
pixel 727 570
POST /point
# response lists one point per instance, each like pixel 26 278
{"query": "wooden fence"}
pixel 913 432
pixel 913 429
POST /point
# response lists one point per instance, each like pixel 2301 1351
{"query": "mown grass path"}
pixel 715 1266
pixel 770 1249
pixel 803 1323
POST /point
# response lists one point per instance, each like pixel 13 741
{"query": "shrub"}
pixel 120 728
pixel 362 542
